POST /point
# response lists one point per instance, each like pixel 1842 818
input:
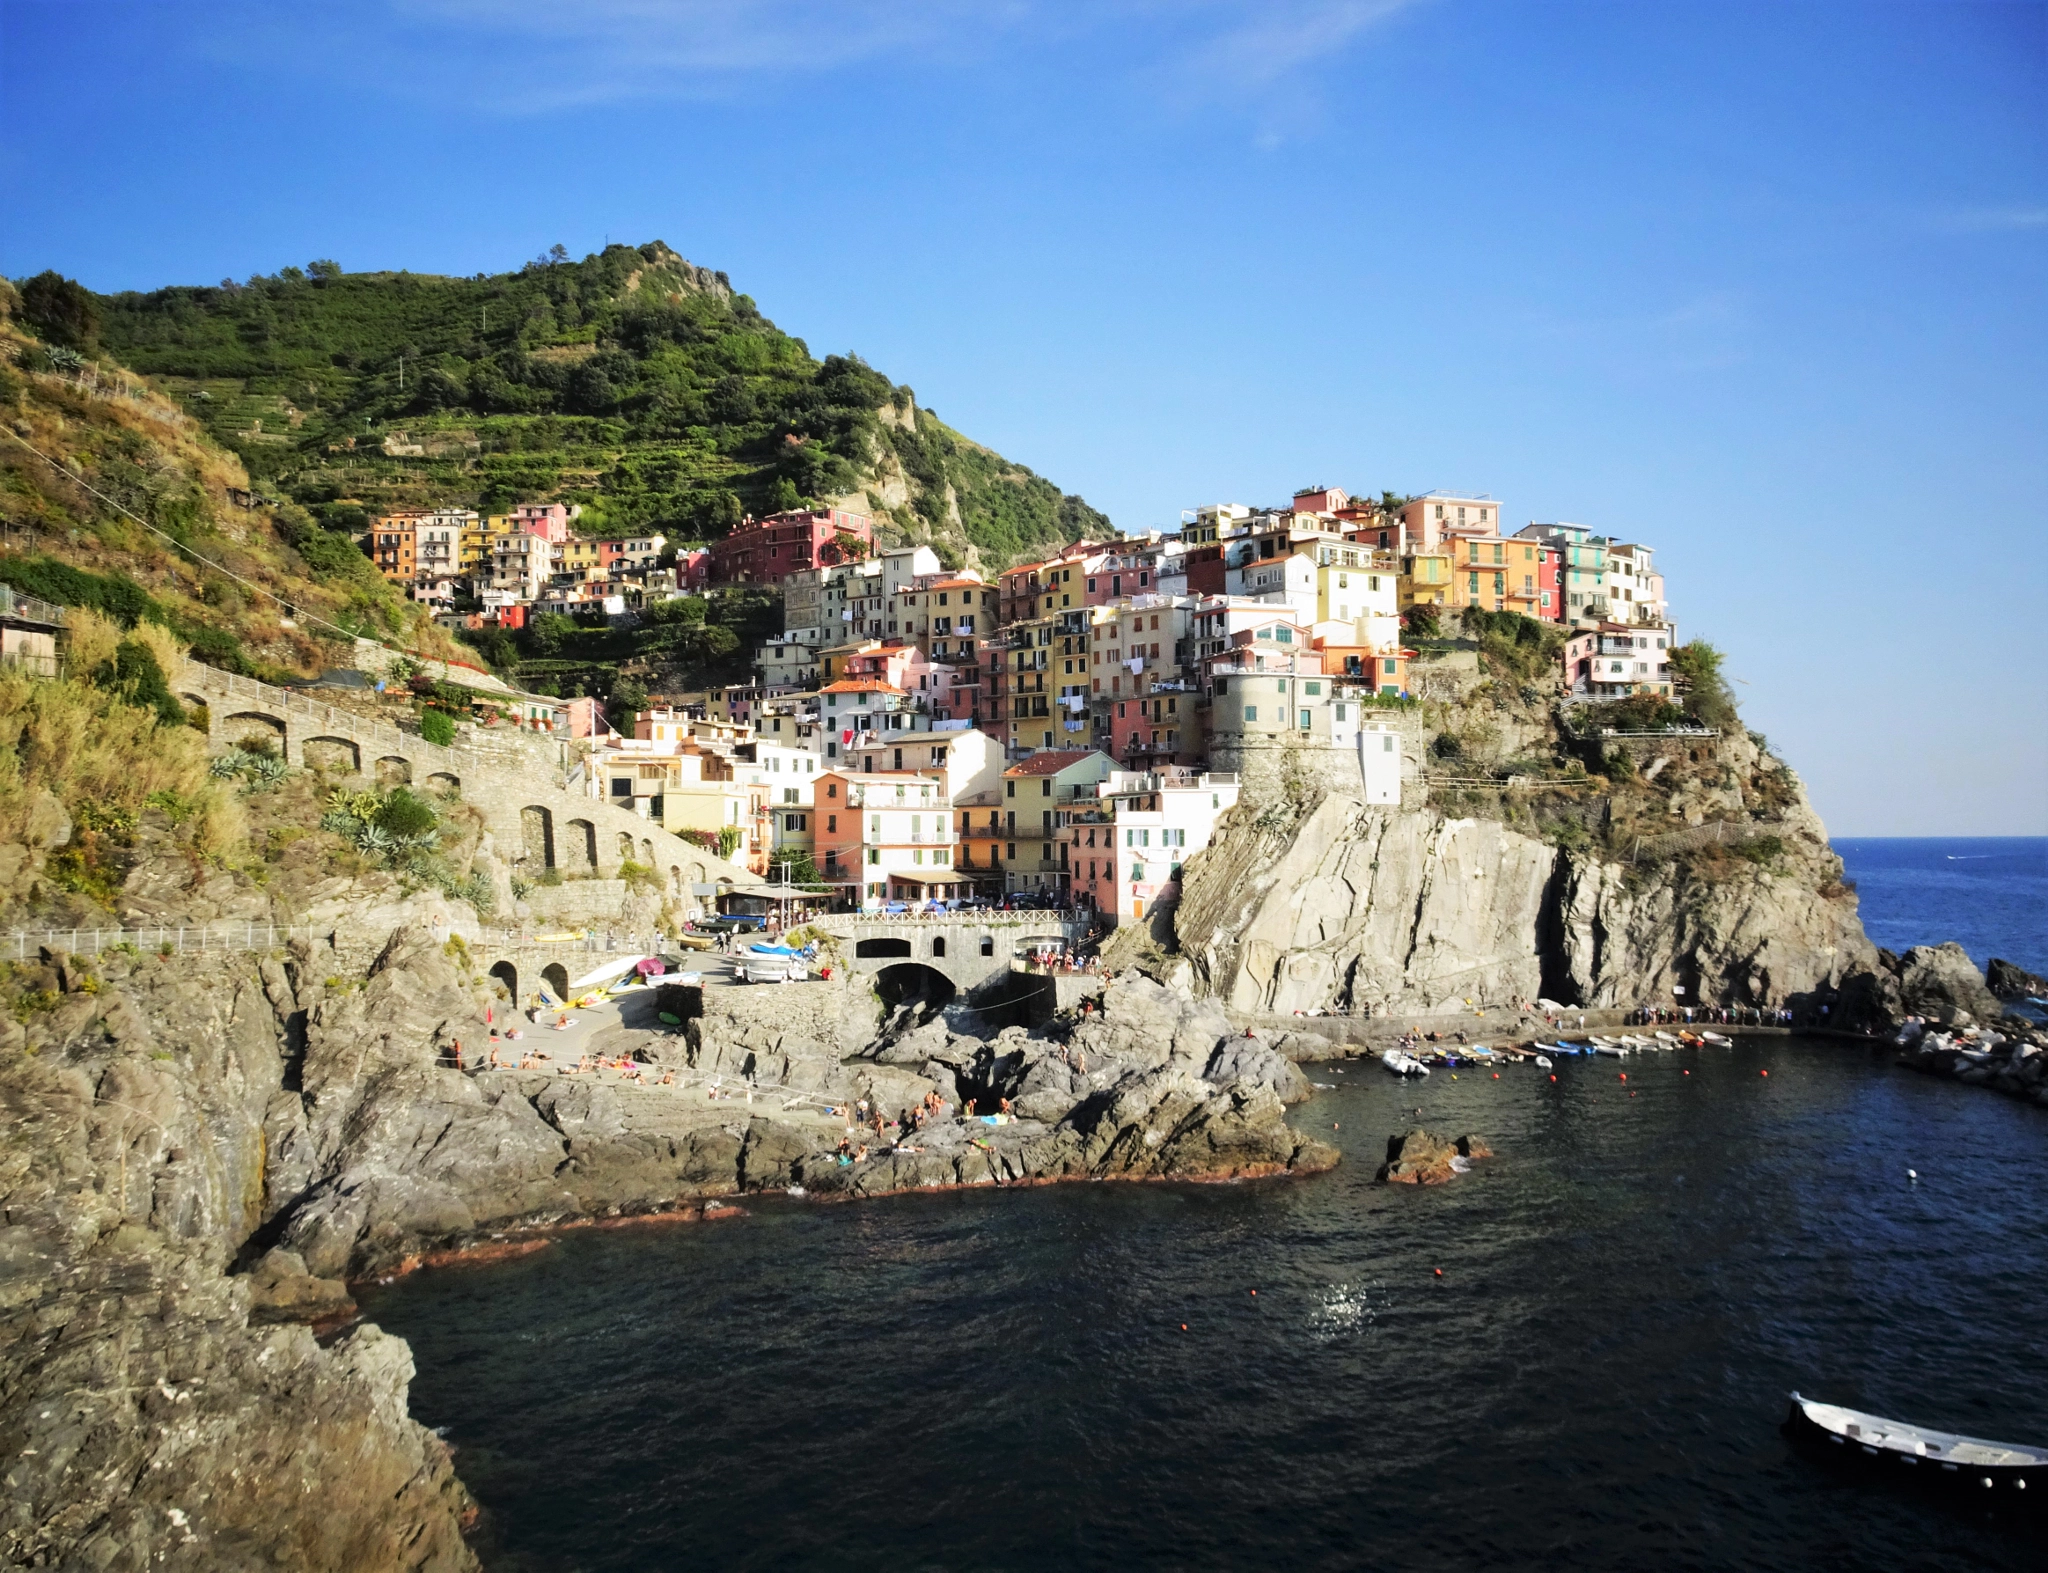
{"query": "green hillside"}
pixel 632 382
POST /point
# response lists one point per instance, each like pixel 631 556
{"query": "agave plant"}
pixel 266 769
pixel 373 838
pixel 227 766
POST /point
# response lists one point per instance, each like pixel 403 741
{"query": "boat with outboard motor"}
pixel 1403 1064
pixel 1997 1473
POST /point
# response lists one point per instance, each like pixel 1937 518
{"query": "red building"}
pixel 765 551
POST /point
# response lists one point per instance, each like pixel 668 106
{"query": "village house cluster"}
pixel 1071 730
pixel 497 571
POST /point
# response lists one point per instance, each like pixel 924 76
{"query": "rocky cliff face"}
pixel 147 1421
pixel 1346 907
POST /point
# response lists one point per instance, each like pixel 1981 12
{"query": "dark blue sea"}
pixel 1988 893
pixel 1575 1357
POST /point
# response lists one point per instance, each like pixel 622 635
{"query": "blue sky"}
pixel 1760 285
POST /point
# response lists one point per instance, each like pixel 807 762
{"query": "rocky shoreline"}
pixel 205 1154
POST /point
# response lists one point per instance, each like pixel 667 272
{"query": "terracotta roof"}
pixel 1051 761
pixel 860 685
pixel 962 584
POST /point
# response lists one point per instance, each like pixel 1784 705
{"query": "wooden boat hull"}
pixel 2012 1487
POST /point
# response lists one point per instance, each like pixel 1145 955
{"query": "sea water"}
pixel 1575 1356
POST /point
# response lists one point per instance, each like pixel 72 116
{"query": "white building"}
pixel 1128 853
pixel 1379 761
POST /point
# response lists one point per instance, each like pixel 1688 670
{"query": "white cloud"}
pixel 1979 220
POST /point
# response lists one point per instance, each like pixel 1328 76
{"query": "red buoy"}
pixel 1763 1073
pixel 1439 1272
pixel 1553 1078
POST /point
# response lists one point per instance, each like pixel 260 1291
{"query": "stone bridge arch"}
pixel 906 981
pixel 233 728
pixel 442 784
pixel 328 752
pixel 882 946
pixel 508 975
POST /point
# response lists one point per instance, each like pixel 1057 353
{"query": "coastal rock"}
pixel 1346 907
pixel 2010 982
pixel 1942 984
pixel 1418 1157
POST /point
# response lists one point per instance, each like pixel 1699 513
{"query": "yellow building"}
pixel 582 559
pixel 1425 579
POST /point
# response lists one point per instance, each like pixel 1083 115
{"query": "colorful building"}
pixel 766 551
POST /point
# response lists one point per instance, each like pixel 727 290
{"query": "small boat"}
pixel 1665 1037
pixel 1717 1040
pixel 1987 1472
pixel 691 941
pixel 1543 1062
pixel 1562 1046
pixel 1403 1064
pixel 1613 1051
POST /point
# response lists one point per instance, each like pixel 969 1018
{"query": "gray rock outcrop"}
pixel 1354 908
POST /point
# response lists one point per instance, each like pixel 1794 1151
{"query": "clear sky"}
pixel 1760 285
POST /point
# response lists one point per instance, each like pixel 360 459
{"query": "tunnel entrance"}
pixel 556 977
pixel 508 975
pixel 913 982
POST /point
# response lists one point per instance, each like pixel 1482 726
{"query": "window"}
pixel 1251 712
pixel 1012 786
pixel 1340 711
pixel 1137 873
pixel 1304 720
pixel 874 854
pixel 831 823
pixel 1311 688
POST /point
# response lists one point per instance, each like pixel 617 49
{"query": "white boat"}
pixel 1543 1062
pixel 1403 1064
pixel 1716 1038
pixel 1993 1473
pixel 1613 1051
pixel 1667 1037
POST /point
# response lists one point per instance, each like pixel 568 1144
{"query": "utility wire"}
pixel 290 607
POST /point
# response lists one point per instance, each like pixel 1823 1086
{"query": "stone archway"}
pixel 537 835
pixel 332 753
pixel 625 846
pixel 556 977
pixel 508 975
pixel 442 784
pixel 909 981
pixel 254 726
pixel 394 770
pixel 578 850
pixel 878 947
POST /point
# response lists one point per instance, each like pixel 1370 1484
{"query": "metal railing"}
pixel 1719 833
pixel 29 608
pixel 202 939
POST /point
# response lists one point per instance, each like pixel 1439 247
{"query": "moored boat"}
pixel 1403 1064
pixel 1999 1473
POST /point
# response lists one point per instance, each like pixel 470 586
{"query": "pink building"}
pixel 766 551
pixel 549 521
